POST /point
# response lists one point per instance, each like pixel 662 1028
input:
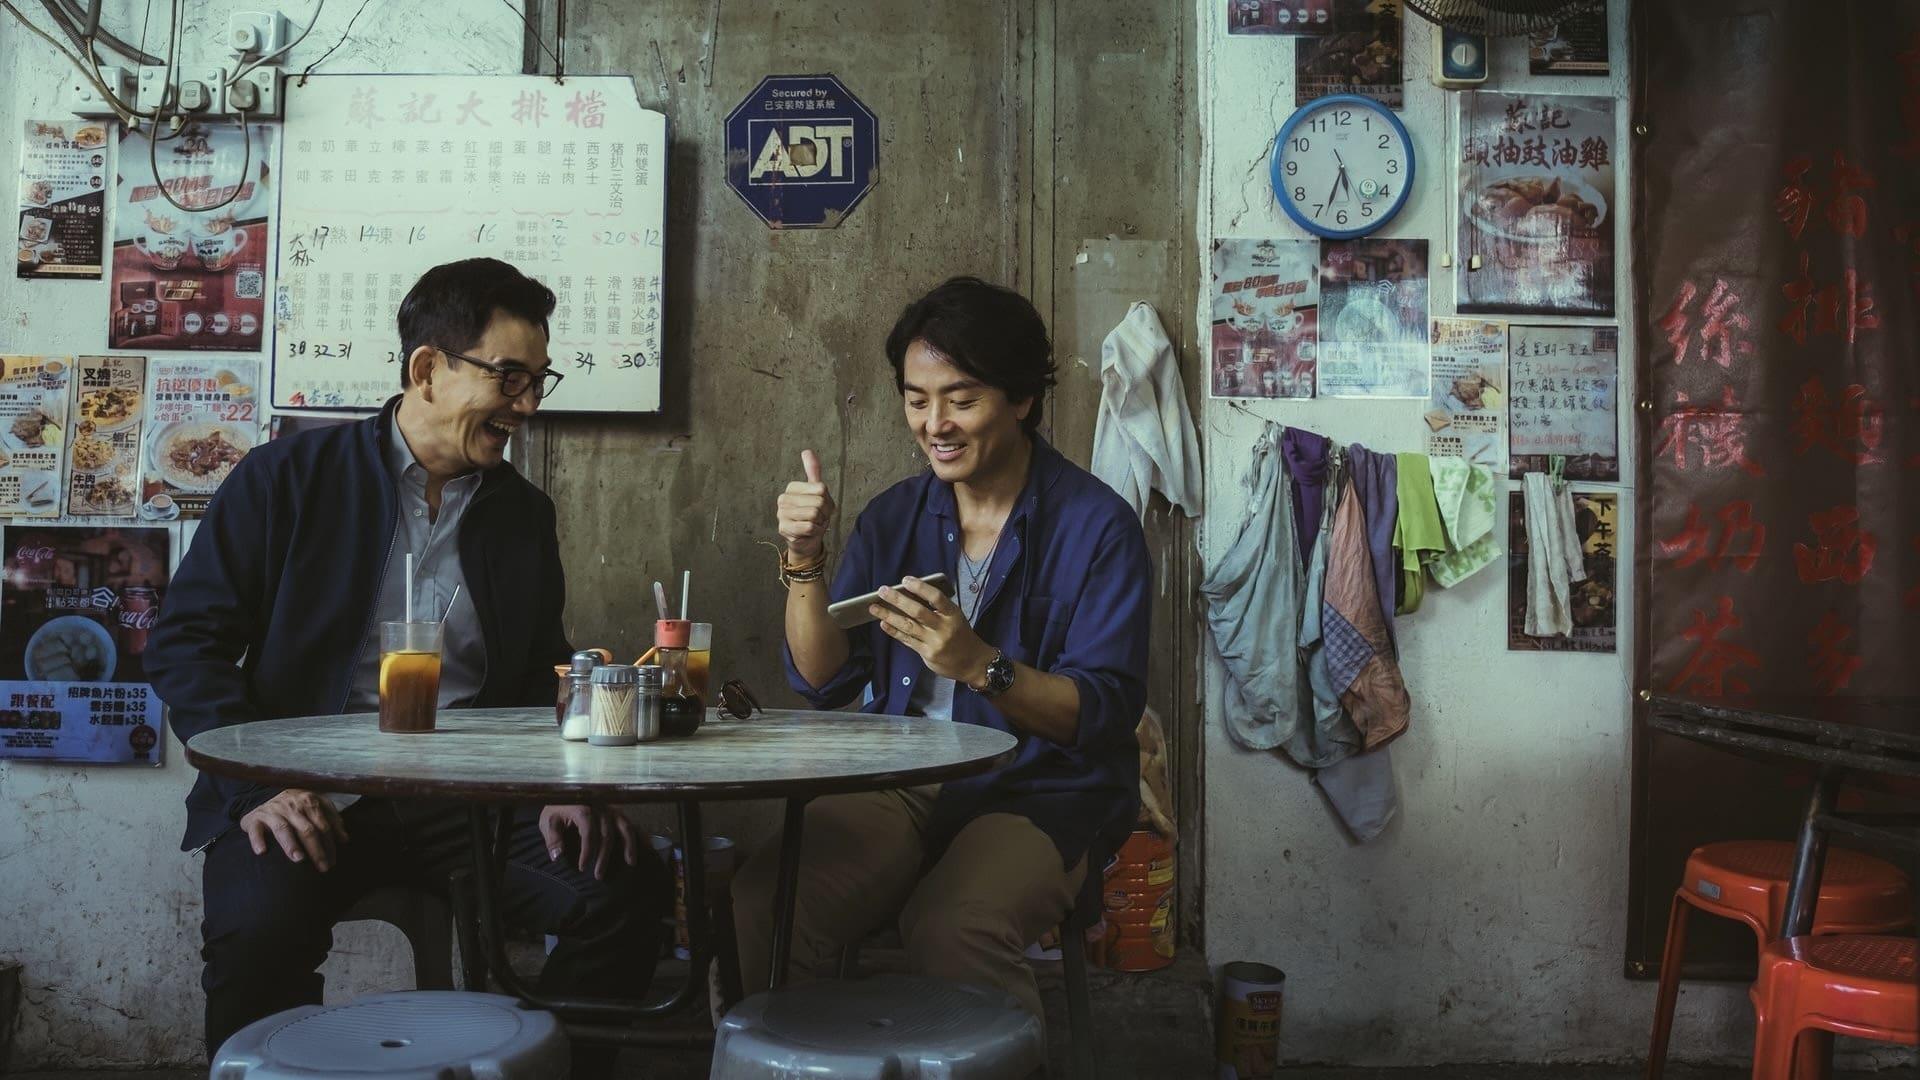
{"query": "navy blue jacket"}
pixel 1069 591
pixel 273 604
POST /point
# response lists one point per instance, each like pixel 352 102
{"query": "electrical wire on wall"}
pixel 243 72
pixel 79 65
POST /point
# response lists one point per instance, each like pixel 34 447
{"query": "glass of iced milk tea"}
pixel 409 675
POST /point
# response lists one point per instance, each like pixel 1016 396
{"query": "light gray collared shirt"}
pixel 435 546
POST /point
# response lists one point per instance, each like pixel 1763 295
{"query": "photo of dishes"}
pixel 62 229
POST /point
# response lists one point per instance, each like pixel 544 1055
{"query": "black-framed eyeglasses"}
pixel 514 380
pixel 737 701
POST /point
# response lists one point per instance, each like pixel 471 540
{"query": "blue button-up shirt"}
pixel 1069 592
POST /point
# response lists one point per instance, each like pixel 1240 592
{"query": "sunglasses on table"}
pixel 737 701
pixel 514 380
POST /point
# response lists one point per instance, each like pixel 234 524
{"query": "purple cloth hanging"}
pixel 1376 483
pixel 1306 457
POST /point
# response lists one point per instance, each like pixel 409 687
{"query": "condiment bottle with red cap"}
pixel 681 709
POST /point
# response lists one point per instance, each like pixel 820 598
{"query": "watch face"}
pixel 1342 166
pixel 999 674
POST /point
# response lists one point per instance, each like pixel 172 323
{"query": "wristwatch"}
pixel 999 676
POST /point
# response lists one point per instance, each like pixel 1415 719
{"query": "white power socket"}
pixel 257 94
pixel 85 100
pixel 256 33
pixel 193 91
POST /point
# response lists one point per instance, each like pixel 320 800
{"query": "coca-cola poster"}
pixel 77 604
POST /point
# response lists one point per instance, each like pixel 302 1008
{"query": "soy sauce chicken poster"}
pixel 1537 204
pixel 77 606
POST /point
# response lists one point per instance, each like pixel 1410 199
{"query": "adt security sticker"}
pixel 802 151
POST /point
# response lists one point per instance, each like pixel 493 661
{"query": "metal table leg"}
pixel 1809 856
pixel 786 890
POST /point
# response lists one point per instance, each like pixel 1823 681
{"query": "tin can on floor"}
pixel 1248 1046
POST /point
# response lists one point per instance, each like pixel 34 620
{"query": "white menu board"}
pixel 386 176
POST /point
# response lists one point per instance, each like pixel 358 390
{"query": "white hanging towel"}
pixel 1144 438
pixel 1554 559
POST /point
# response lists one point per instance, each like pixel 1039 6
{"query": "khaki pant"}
pixel 998 887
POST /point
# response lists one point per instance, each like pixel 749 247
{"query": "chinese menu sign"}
pixel 76 608
pixel 387 176
pixel 1266 296
pixel 1467 403
pixel 63 170
pixel 33 418
pixel 1563 400
pixel 190 240
pixel 204 417
pixel 1538 205
pixel 103 463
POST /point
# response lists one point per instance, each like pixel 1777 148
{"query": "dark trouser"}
pixel 269 921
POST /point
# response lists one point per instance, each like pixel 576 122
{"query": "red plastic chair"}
pixel 1849 984
pixel 1747 880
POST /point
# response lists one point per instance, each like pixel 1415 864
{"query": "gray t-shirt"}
pixel 933 697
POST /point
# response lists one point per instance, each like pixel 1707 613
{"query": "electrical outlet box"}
pixel 256 33
pixel 84 99
pixel 257 93
pixel 203 91
pixel 153 89
pixel 1459 58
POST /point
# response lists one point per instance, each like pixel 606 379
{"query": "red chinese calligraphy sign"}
pixel 1778 458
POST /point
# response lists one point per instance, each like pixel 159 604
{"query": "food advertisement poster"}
pixel 33 415
pixel 1361 56
pixel 1537 205
pixel 103 463
pixel 76 608
pixel 1595 601
pixel 63 196
pixel 1373 318
pixel 1576 45
pixel 203 418
pixel 190 259
pixel 1564 400
pixel 1468 402
pixel 1279 16
pixel 1266 295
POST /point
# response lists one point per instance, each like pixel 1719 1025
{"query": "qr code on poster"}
pixel 249 285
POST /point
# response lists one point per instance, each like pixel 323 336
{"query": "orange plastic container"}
pixel 1138 897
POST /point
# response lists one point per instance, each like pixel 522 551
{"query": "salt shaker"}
pixel 577 692
pixel 615 705
pixel 651 678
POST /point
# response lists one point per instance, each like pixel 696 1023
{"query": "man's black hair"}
pixel 991 333
pixel 451 305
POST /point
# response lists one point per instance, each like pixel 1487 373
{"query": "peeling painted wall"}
pixel 101 907
pixel 1489 922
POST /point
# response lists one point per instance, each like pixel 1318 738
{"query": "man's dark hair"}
pixel 451 305
pixel 991 333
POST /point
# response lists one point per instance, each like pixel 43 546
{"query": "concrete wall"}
pixel 1489 922
pixel 100 906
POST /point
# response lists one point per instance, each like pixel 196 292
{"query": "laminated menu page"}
pixel 33 415
pixel 103 464
pixel 203 415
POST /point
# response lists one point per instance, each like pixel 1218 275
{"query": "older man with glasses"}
pixel 272 614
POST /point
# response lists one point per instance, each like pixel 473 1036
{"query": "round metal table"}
pixel 499 757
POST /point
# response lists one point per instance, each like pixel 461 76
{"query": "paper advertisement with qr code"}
pixel 80 603
pixel 33 434
pixel 202 418
pixel 103 462
pixel 190 260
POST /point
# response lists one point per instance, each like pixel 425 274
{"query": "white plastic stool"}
pixel 889 1027
pixel 412 1035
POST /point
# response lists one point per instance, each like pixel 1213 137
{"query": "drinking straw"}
pixel 686 583
pixel 450 600
pixel 660 600
pixel 409 586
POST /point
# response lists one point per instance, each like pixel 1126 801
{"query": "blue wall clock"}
pixel 1342 166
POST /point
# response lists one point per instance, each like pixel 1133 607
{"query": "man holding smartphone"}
pixel 1044 637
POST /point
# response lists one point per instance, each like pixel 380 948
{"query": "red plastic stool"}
pixel 1747 880
pixel 1849 984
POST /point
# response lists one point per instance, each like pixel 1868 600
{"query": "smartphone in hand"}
pixel 852 612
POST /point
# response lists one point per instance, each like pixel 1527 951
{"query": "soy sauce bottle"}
pixel 681 709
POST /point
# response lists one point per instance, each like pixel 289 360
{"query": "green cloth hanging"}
pixel 1418 534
